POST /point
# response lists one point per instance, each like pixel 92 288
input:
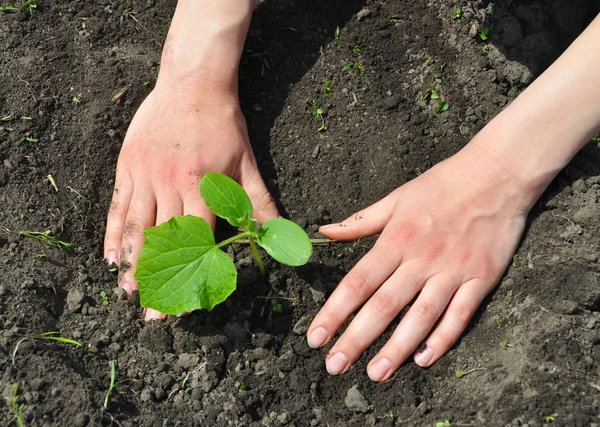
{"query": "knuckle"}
pixel 463 314
pixel 405 232
pixel 116 208
pixel 443 340
pixel 385 304
pixel 357 285
pixel 351 343
pixel 133 227
pixel 425 313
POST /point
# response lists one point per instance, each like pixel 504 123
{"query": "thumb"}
pixel 262 202
pixel 366 222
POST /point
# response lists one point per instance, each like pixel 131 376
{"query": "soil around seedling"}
pixel 80 69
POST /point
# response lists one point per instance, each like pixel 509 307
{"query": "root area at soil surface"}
pixel 534 345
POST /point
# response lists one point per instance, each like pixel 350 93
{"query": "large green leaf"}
pixel 180 268
pixel 285 241
pixel 226 198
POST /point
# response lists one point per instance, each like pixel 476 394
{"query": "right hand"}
pixel 177 135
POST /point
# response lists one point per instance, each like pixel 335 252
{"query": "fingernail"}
pixel 328 226
pixel 422 359
pixel 317 337
pixel 153 314
pixel 379 370
pixel 127 288
pixel 336 364
pixel 111 257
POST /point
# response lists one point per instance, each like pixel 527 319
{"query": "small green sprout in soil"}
pixel 52 336
pixel 256 107
pixel 104 297
pixel 396 70
pixel 242 388
pixel 28 139
pixel 596 139
pixel 442 106
pixel 12 402
pixel 484 50
pixel 113 381
pixel 483 33
pixel 505 344
pixel 510 293
pixel 318 113
pixel 76 100
pixel 328 90
pixel 550 418
pixel 356 67
pixel 429 94
pixel 356 50
pixel 276 307
pixel 4 8
pixel 339 117
pixel 31 4
pixel 430 61
pixel 337 32
pixel 457 14
pixel 499 321
pixel 394 18
pixel 181 268
pixel 445 423
pixel 47 239
pixel 146 83
pixel 113 269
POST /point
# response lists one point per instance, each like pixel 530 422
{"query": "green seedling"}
pixel 242 388
pixel 394 18
pixel 181 268
pixel 356 50
pixel 104 297
pixel 318 113
pixel 47 239
pixel 53 336
pixel 445 423
pixel 276 307
pixel 457 14
pixel 356 67
pixel 28 139
pixel 484 50
pixel 396 70
pixel 31 4
pixel 146 83
pixel 596 139
pixel 430 61
pixel 499 321
pixel 550 418
pixel 337 32
pixel 4 8
pixel 113 381
pixel 328 90
pixel 12 402
pixel 113 270
pixel 483 33
pixel 442 106
pixel 429 94
pixel 460 374
pixel 76 100
pixel 510 293
pixel 256 107
pixel 339 117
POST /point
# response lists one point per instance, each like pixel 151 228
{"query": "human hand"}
pixel 449 235
pixel 177 135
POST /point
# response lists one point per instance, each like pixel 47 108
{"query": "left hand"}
pixel 449 235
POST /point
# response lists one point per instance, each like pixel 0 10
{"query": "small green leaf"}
pixel 337 32
pixel 226 198
pixel 285 241
pixel 460 374
pixel 4 8
pixel 181 269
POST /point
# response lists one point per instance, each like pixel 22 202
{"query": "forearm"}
pixel 541 131
pixel 205 43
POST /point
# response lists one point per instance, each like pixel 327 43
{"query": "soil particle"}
pixel 517 73
pixel 301 326
pixel 188 360
pixel 363 13
pixel 75 300
pixel 511 31
pixel 356 401
pixel 155 339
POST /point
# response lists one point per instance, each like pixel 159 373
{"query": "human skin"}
pixel 447 235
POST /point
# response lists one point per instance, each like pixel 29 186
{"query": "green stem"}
pixel 234 238
pixel 261 266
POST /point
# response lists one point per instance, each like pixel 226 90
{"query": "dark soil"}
pixel 535 342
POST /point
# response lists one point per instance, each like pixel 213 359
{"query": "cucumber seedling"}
pixel 457 14
pixel 182 268
pixel 356 67
pixel 483 33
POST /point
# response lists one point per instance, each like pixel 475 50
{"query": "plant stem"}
pixel 261 266
pixel 234 238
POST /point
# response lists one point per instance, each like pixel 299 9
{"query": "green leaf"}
pixel 181 269
pixel 460 374
pixel 4 8
pixel 226 198
pixel 285 241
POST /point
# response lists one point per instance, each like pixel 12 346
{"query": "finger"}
pixel 354 289
pixel 366 222
pixel 141 215
pixel 169 204
pixel 454 321
pixel 117 213
pixel 151 314
pixel 374 317
pixel 262 202
pixel 413 328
